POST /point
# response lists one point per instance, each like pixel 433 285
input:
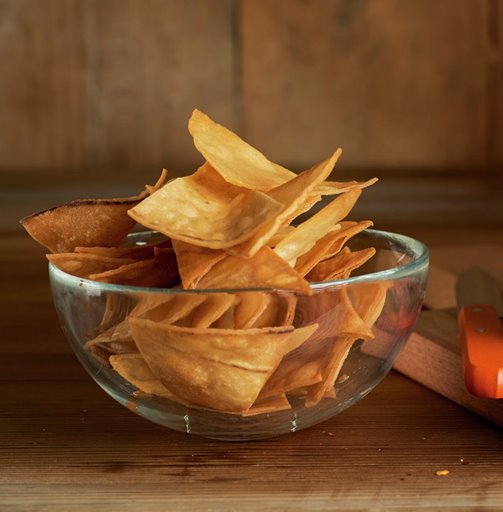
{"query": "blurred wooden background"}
pixel 95 96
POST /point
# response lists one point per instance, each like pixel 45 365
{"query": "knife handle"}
pixel 482 349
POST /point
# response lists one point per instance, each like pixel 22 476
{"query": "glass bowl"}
pixel 340 363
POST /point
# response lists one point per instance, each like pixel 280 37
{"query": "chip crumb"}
pixel 343 378
pixel 442 472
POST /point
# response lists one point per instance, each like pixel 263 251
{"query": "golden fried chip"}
pixel 303 238
pixel 334 311
pixel 336 357
pixel 329 188
pixel 294 373
pixel 203 209
pixel 237 161
pixel 264 270
pixel 250 307
pixel 209 311
pixel 216 368
pixel 340 265
pixel 329 245
pixel 194 262
pixel 84 265
pixel 158 272
pixel 86 222
pixel 170 310
pixel 362 301
pixel 135 252
pixel 268 405
pixel 368 299
pixel 290 195
pixel 134 369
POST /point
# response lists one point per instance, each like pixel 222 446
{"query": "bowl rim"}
pixel 418 249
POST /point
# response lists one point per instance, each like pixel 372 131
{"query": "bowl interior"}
pixel 398 272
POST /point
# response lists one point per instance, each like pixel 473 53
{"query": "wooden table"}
pixel 66 446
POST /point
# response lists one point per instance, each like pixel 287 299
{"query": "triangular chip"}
pixel 86 222
pixel 329 245
pixel 134 369
pixel 250 307
pixel 329 188
pixel 335 360
pixel 341 264
pixel 216 368
pixel 237 161
pixel 268 405
pixel 158 272
pixel 194 262
pixel 203 209
pixel 84 265
pixel 135 252
pixel 291 194
pixel 305 236
pixel 209 311
pixel 264 270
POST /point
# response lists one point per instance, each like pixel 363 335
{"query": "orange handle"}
pixel 482 348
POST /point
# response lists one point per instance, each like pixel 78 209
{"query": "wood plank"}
pixel 111 84
pixel 41 84
pixel 151 63
pixel 391 82
pixel 67 446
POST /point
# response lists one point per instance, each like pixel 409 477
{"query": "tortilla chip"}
pixel 264 270
pixel 268 405
pixel 291 194
pixel 340 265
pixel 329 245
pixel 209 311
pixel 86 222
pixel 194 262
pixel 336 357
pixel 368 299
pixel 170 310
pixel 134 369
pixel 309 232
pixel 216 368
pixel 203 209
pixel 328 188
pixel 237 161
pixel 158 272
pixel 280 234
pixel 137 252
pixel 84 265
pixel 250 307
pixel 294 373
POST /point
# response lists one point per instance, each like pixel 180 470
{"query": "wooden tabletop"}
pixel 65 445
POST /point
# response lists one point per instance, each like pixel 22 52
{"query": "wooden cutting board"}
pixel 432 354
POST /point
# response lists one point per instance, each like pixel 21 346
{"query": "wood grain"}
pixel 111 84
pixel 391 82
pixel 67 446
pixel 432 357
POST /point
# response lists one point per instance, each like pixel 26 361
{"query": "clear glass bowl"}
pixel 399 267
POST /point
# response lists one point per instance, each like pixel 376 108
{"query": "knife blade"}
pixel 480 306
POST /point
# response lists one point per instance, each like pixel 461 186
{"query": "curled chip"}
pixel 216 368
pixel 305 236
pixel 86 222
pixel 237 161
pixel 290 195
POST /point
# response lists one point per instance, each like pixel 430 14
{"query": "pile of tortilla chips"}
pixel 264 336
